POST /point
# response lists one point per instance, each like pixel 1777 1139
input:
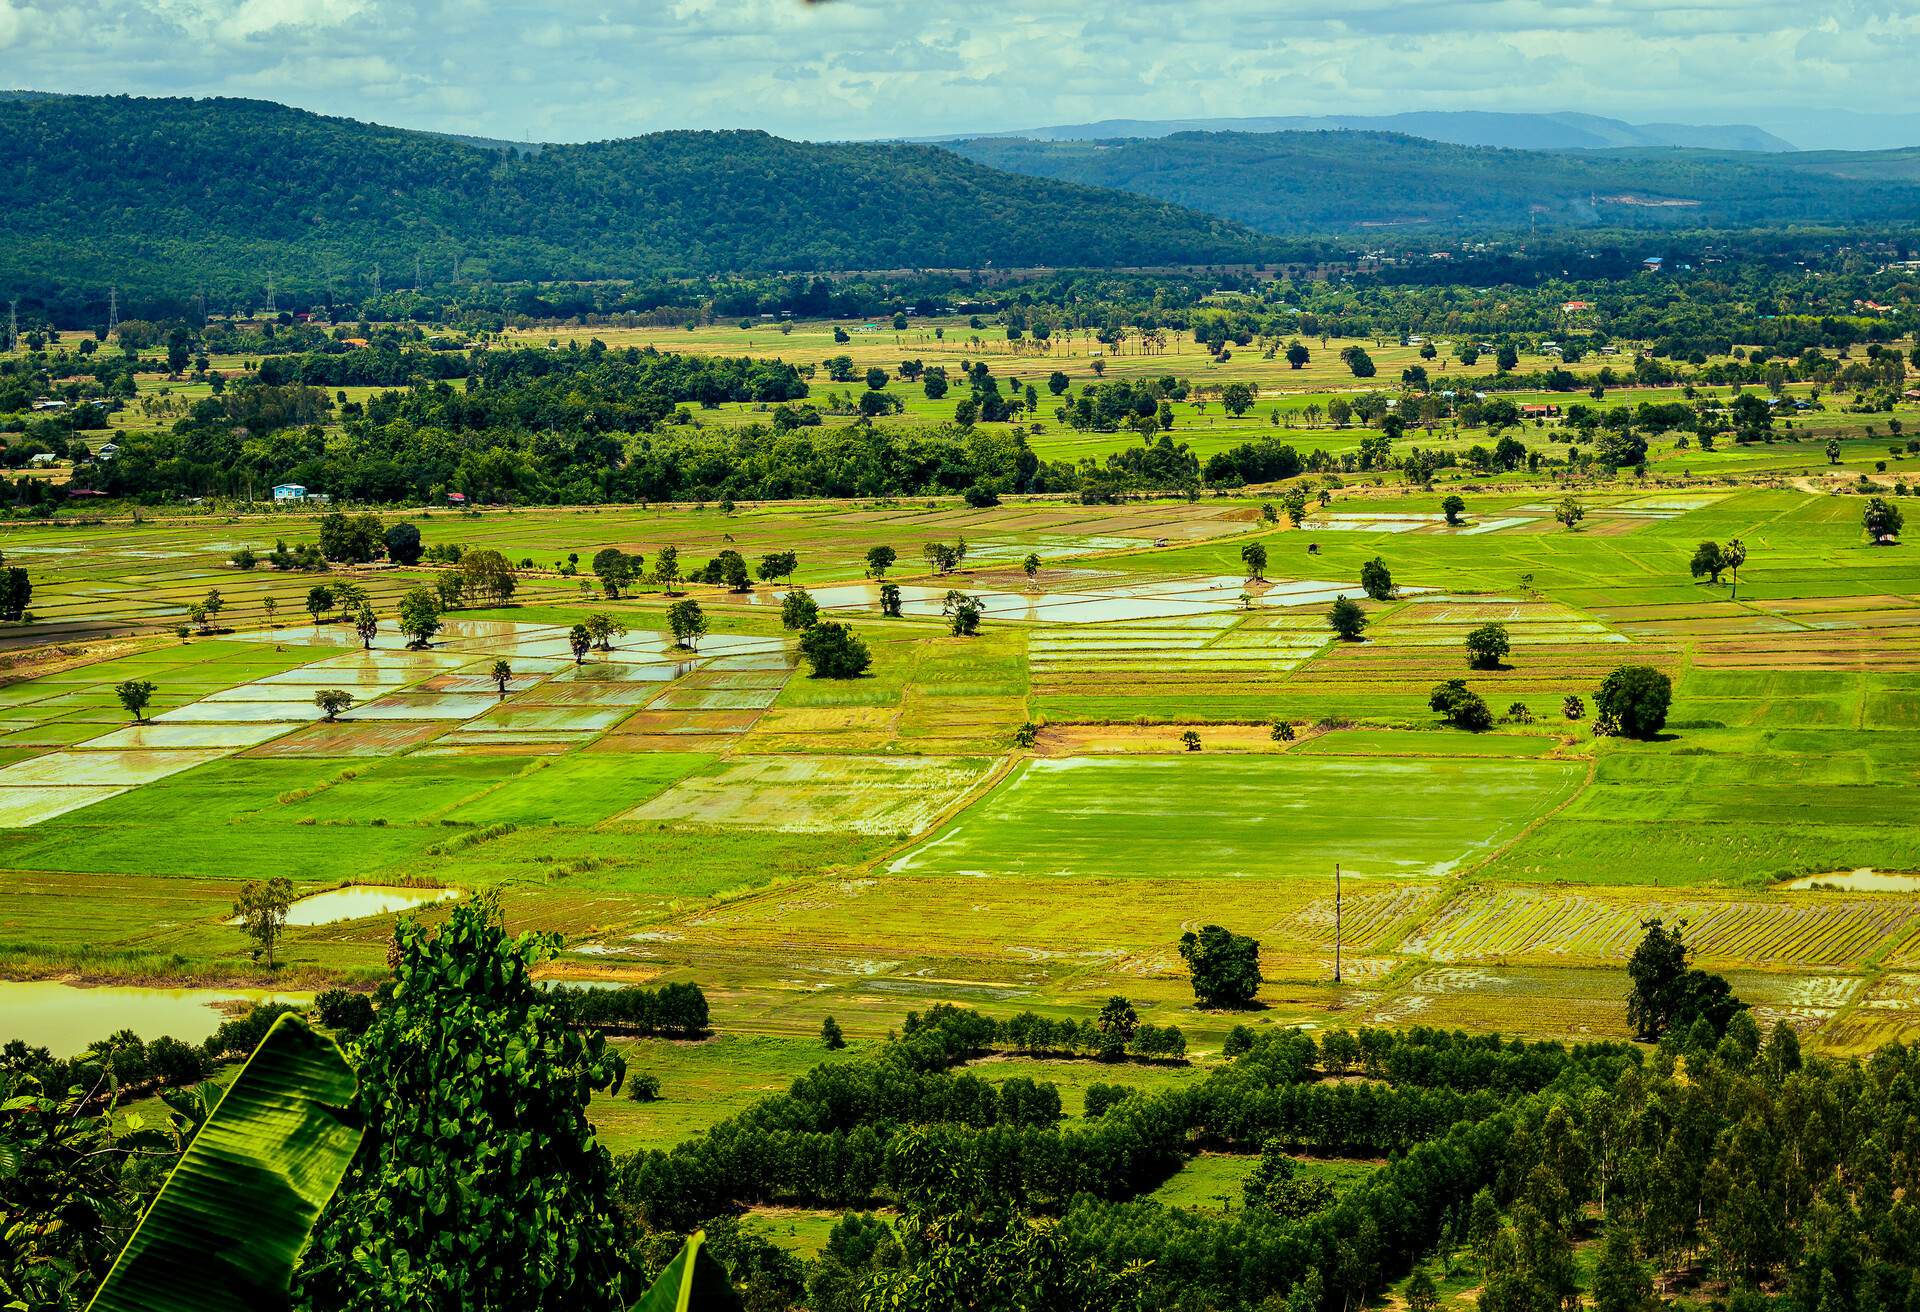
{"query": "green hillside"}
pixel 160 195
pixel 1294 182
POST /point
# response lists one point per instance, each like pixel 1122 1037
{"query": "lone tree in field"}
pixel 962 612
pixel 1225 966
pixel 830 1034
pixel 1376 579
pixel 502 675
pixel 880 560
pixel 419 616
pixel 1573 708
pixel 262 910
pixel 1190 740
pixel 688 622
pixel 1667 993
pixel 833 651
pixel 1733 556
pixel 1487 646
pixel 1833 451
pixel 890 600
pixel 1031 567
pixel 135 694
pixel 1569 512
pixel 579 642
pixel 366 624
pixel 616 570
pixel 1707 562
pixel 485 576
pixel 1882 520
pixel 602 629
pixel 1255 557
pixel 1635 698
pixel 777 565
pixel 1236 398
pixel 1297 355
pixel 319 601
pixel 403 544
pixel 331 702
pixel 473 1087
pixel 666 568
pixel 1346 619
pixel 1460 706
pixel 798 610
pixel 1453 507
pixel 1296 503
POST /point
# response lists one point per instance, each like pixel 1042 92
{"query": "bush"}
pixel 1099 1097
pixel 1487 646
pixel 644 1088
pixel 1460 706
pixel 344 1012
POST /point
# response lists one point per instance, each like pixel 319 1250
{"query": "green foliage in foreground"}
pixel 225 1230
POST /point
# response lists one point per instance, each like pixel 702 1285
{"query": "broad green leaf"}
pixel 693 1282
pixel 224 1232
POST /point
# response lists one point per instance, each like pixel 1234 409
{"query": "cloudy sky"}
pixel 569 70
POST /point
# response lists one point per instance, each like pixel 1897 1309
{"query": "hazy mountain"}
pixel 1460 128
pixel 1299 182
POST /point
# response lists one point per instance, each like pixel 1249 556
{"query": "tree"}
pixel 798 610
pixel 1030 566
pixel 880 560
pixel 777 565
pixel 616 570
pixel 331 702
pixel 1882 520
pixel 1421 1294
pixel 1621 1281
pixel 419 616
pixel 403 544
pixel 135 694
pixel 1487 646
pixel 1225 966
pixel 1190 740
pixel 833 651
pixel 502 675
pixel 962 612
pixel 1117 1021
pixel 1376 580
pixel 1346 619
pixel 579 642
pixel 271 605
pixel 485 576
pixel 319 601
pixel 666 568
pixel 1506 358
pixel 1453 507
pixel 262 909
pixel 1357 360
pixel 1636 698
pixel 688 622
pixel 449 591
pixel 1569 512
pixel 602 629
pixel 1254 555
pixel 831 1036
pixel 366 624
pixel 1666 992
pixel 1296 503
pixel 479 1185
pixel 1573 708
pixel 1708 561
pixel 1275 1185
pixel 890 600
pixel 1237 398
pixel 1297 355
pixel 1460 706
pixel 1733 556
pixel 351 539
pixel 1833 451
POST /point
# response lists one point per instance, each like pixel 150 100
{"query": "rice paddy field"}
pixel 804 847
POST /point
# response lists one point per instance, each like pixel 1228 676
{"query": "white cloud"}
pixel 589 69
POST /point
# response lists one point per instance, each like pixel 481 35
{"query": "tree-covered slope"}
pixel 160 195
pixel 1293 182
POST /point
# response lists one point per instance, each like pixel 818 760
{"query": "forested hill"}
pixel 1296 182
pixel 160 195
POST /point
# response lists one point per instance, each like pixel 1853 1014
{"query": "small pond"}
pixel 65 1018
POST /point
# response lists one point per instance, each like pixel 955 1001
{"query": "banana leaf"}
pixel 224 1232
pixel 693 1282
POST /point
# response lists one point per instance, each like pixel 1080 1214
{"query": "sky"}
pixel 576 70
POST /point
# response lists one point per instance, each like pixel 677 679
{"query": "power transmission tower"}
pixel 13 325
pixel 456 269
pixel 272 309
pixel 376 280
pixel 113 309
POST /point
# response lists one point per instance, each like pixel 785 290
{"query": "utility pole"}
pixel 1336 922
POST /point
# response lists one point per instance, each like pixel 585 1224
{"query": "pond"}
pixel 1865 880
pixel 65 1018
pixel 358 901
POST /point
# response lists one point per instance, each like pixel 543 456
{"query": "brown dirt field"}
pixel 1155 739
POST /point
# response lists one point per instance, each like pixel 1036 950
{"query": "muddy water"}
pixel 65 1018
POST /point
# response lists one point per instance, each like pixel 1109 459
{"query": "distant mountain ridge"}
pixel 1515 131
pixel 166 194
pixel 1347 180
